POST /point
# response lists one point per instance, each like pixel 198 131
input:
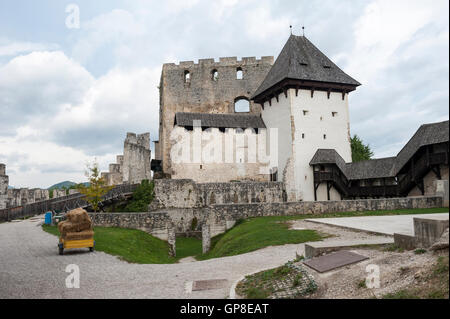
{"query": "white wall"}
pixel 278 115
pixel 287 115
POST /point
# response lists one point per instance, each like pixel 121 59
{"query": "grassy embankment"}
pixel 247 235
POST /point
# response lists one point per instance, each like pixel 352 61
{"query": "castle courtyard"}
pixel 30 268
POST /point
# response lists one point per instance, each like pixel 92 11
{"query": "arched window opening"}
pixel 239 74
pixel 214 75
pixel 241 105
pixel 187 76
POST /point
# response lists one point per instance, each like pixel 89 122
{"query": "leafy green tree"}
pixel 142 197
pixel 97 186
pixel 360 151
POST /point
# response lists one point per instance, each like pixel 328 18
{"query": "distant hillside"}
pixel 66 184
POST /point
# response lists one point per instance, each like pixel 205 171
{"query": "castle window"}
pixel 187 76
pixel 239 74
pixel 305 112
pixel 324 136
pixel 334 114
pixel 214 75
pixel 241 105
pixel 303 135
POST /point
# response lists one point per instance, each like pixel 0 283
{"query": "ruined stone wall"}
pixel 23 196
pixel 221 217
pixel 134 165
pixel 185 193
pixel 204 94
pixel 136 158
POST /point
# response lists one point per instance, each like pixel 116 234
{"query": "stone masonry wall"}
pixel 221 217
pixel 185 193
pixel 203 94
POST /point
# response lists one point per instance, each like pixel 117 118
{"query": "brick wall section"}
pixel 220 217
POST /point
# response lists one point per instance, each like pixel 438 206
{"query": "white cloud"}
pixel 8 48
pixel 260 24
pixel 79 117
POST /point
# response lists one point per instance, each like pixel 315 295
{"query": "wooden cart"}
pixel 69 244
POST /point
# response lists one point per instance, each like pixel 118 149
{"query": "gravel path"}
pixel 30 267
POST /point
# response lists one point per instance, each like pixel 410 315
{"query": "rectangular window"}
pixel 305 112
pixel 334 114
pixel 303 135
pixel 324 136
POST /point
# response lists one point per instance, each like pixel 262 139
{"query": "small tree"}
pixel 97 186
pixel 360 151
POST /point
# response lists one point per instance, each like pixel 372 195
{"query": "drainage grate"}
pixel 334 260
pixel 209 284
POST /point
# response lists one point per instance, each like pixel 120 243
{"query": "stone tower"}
pixel 4 181
pixel 305 97
pixel 205 87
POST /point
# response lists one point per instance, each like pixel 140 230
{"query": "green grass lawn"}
pixel 248 235
pixel 255 233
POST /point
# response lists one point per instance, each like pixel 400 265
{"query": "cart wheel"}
pixel 91 249
pixel 61 250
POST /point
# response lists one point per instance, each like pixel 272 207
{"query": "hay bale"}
pixel 78 215
pixel 87 234
pixel 69 227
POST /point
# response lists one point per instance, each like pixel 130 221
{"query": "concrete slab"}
pixel 318 248
pixel 386 225
pixel 334 260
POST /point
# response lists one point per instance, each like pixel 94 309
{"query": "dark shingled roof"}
pixel 390 166
pixel 301 60
pixel 375 168
pixel 427 134
pixel 220 120
pixel 328 156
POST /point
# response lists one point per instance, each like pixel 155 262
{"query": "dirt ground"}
pixel 399 270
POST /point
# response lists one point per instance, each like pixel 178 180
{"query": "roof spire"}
pixel 290 27
pixel 303 28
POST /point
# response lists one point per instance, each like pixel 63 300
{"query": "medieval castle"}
pixel 296 111
pixel 260 121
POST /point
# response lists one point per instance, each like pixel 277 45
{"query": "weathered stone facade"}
pixel 134 165
pixel 205 87
pixel 185 193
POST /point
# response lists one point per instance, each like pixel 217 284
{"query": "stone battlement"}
pixel 223 61
pixel 142 140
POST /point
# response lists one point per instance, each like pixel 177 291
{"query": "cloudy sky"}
pixel 69 95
